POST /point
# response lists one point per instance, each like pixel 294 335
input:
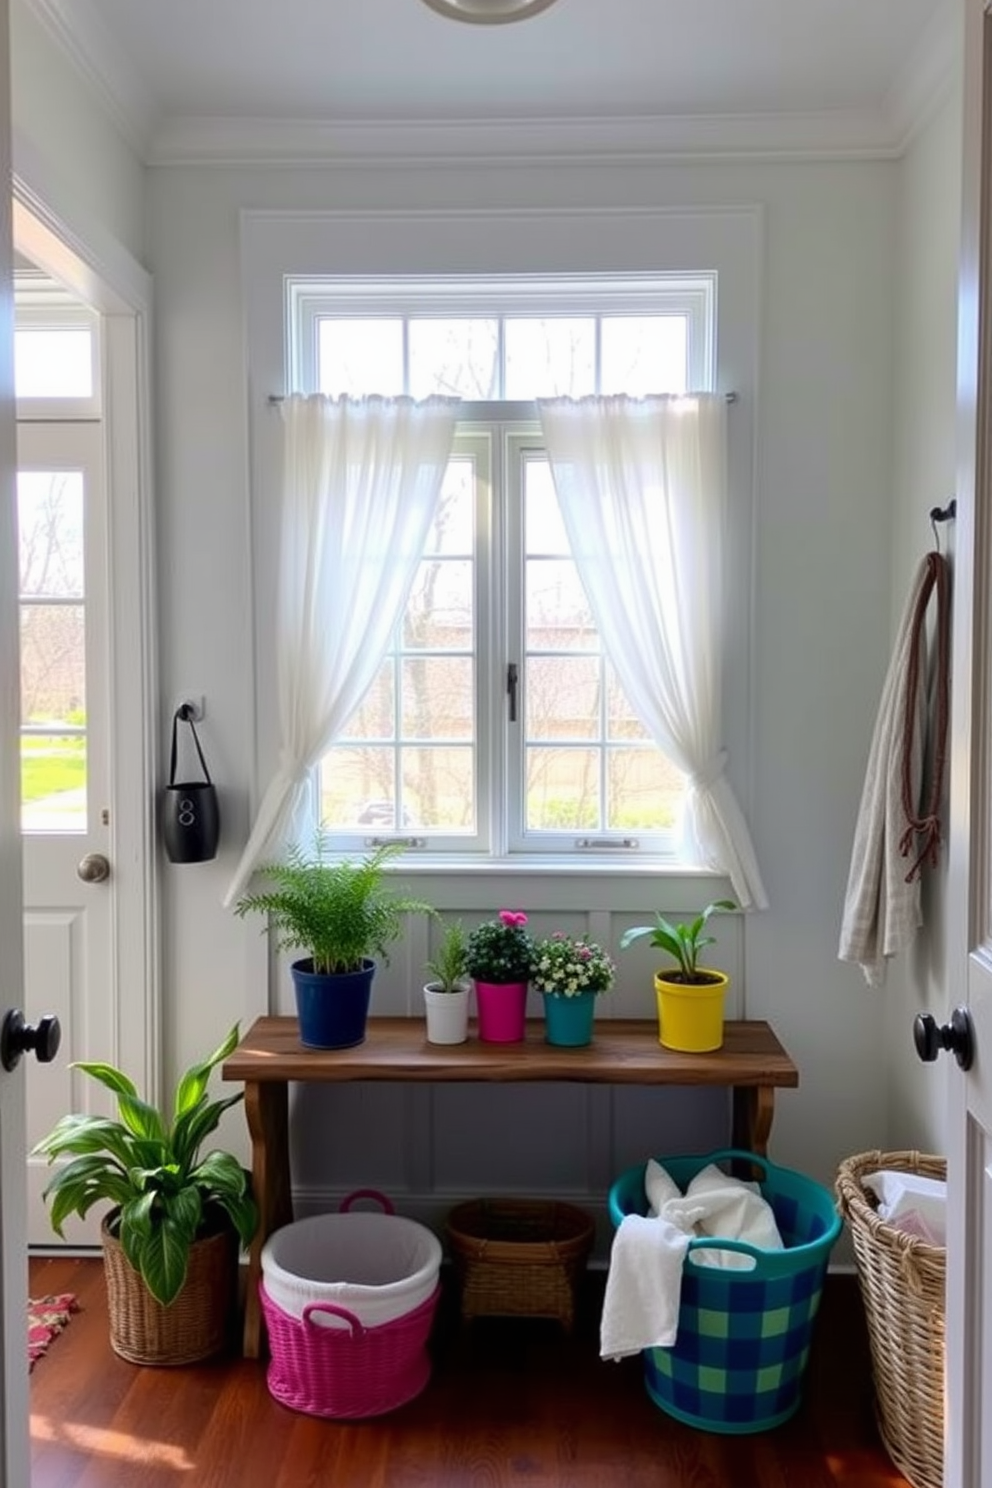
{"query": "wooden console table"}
pixel 752 1063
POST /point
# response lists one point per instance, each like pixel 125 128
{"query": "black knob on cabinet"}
pixel 18 1037
pixel 958 1035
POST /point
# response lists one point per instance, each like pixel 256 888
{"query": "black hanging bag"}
pixel 190 813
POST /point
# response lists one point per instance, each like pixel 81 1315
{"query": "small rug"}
pixel 47 1316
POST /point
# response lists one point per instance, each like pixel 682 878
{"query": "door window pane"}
pixel 53 362
pixel 50 533
pixel 53 782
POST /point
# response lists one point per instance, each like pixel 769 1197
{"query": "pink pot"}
pixel 501 1007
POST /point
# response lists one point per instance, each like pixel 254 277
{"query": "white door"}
pixel 65 813
pixel 14 1468
pixel 969 1268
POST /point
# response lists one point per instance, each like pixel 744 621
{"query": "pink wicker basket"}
pixel 347 1372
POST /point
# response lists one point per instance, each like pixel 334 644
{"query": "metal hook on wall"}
pixel 942 514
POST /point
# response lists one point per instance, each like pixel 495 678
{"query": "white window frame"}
pixel 41 302
pixel 509 427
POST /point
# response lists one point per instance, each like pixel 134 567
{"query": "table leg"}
pixel 753 1109
pixel 267 1110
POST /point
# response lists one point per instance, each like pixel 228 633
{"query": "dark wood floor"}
pixel 509 1403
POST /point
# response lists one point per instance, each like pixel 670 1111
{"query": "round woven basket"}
pixel 194 1326
pixel 902 1286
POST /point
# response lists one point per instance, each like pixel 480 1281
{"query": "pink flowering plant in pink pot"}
pixel 501 950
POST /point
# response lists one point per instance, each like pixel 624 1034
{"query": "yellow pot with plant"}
pixel 690 997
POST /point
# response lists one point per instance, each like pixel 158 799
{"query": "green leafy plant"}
pixel 682 941
pixel 338 913
pixel 501 950
pixel 165 1195
pixel 448 966
pixel 566 966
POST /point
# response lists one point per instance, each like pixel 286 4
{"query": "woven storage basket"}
pixel 902 1287
pixel 519 1257
pixel 194 1326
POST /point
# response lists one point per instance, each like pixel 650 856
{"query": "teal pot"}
pixel 502 1008
pixel 568 1020
pixel 332 1010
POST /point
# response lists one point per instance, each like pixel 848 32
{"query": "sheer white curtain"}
pixel 642 488
pixel 361 481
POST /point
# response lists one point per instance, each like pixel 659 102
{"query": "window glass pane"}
pixel 53 362
pixel 53 782
pixel 439 612
pixel 558 613
pixel 437 698
pixel 544 530
pixel 50 533
pixel 375 716
pixel 562 695
pixel 457 357
pixel 547 358
pixel 53 664
pixel 454 520
pixel 562 789
pixel 438 789
pixel 643 791
pixel 643 354
pixel 357 788
pixel 359 357
pixel 621 720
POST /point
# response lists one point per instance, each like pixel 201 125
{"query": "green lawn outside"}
pixel 49 767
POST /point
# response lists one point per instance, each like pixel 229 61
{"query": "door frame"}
pixel 105 276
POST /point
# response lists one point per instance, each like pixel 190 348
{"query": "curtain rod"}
pixel 277 398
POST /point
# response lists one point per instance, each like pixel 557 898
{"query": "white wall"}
pixel 929 205
pixel 65 140
pixel 822 596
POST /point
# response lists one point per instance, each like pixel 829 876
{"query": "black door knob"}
pixel 958 1035
pixel 18 1037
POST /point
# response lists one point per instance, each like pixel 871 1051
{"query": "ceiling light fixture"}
pixel 488 12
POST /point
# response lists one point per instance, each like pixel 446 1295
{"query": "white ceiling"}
pixel 163 63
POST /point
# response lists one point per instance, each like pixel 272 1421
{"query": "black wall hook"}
pixel 942 514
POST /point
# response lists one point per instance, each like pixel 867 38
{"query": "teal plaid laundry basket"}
pixel 743 1340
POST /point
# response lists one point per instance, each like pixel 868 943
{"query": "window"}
pixel 56 361
pixel 496 724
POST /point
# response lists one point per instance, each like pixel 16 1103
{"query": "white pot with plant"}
pixel 690 997
pixel 446 995
pixel 343 914
pixel 171 1237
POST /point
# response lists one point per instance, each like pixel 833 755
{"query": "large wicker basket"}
pixel 519 1257
pixel 195 1326
pixel 902 1287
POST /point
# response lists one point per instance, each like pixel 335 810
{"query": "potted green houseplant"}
pixel 690 996
pixel 446 994
pixel 170 1239
pixel 570 972
pixel 342 914
pixel 500 958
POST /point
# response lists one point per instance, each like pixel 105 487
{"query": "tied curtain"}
pixel 361 479
pixel 641 484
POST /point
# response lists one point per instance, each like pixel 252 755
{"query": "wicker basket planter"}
pixel 195 1326
pixel 519 1257
pixel 902 1287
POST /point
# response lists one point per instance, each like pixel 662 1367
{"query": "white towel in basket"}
pixel 643 1287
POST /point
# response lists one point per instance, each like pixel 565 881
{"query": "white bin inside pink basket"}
pixel 377 1266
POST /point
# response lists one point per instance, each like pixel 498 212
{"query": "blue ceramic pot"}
pixel 332 1010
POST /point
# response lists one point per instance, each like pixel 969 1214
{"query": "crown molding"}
pixel 124 93
pixel 300 142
